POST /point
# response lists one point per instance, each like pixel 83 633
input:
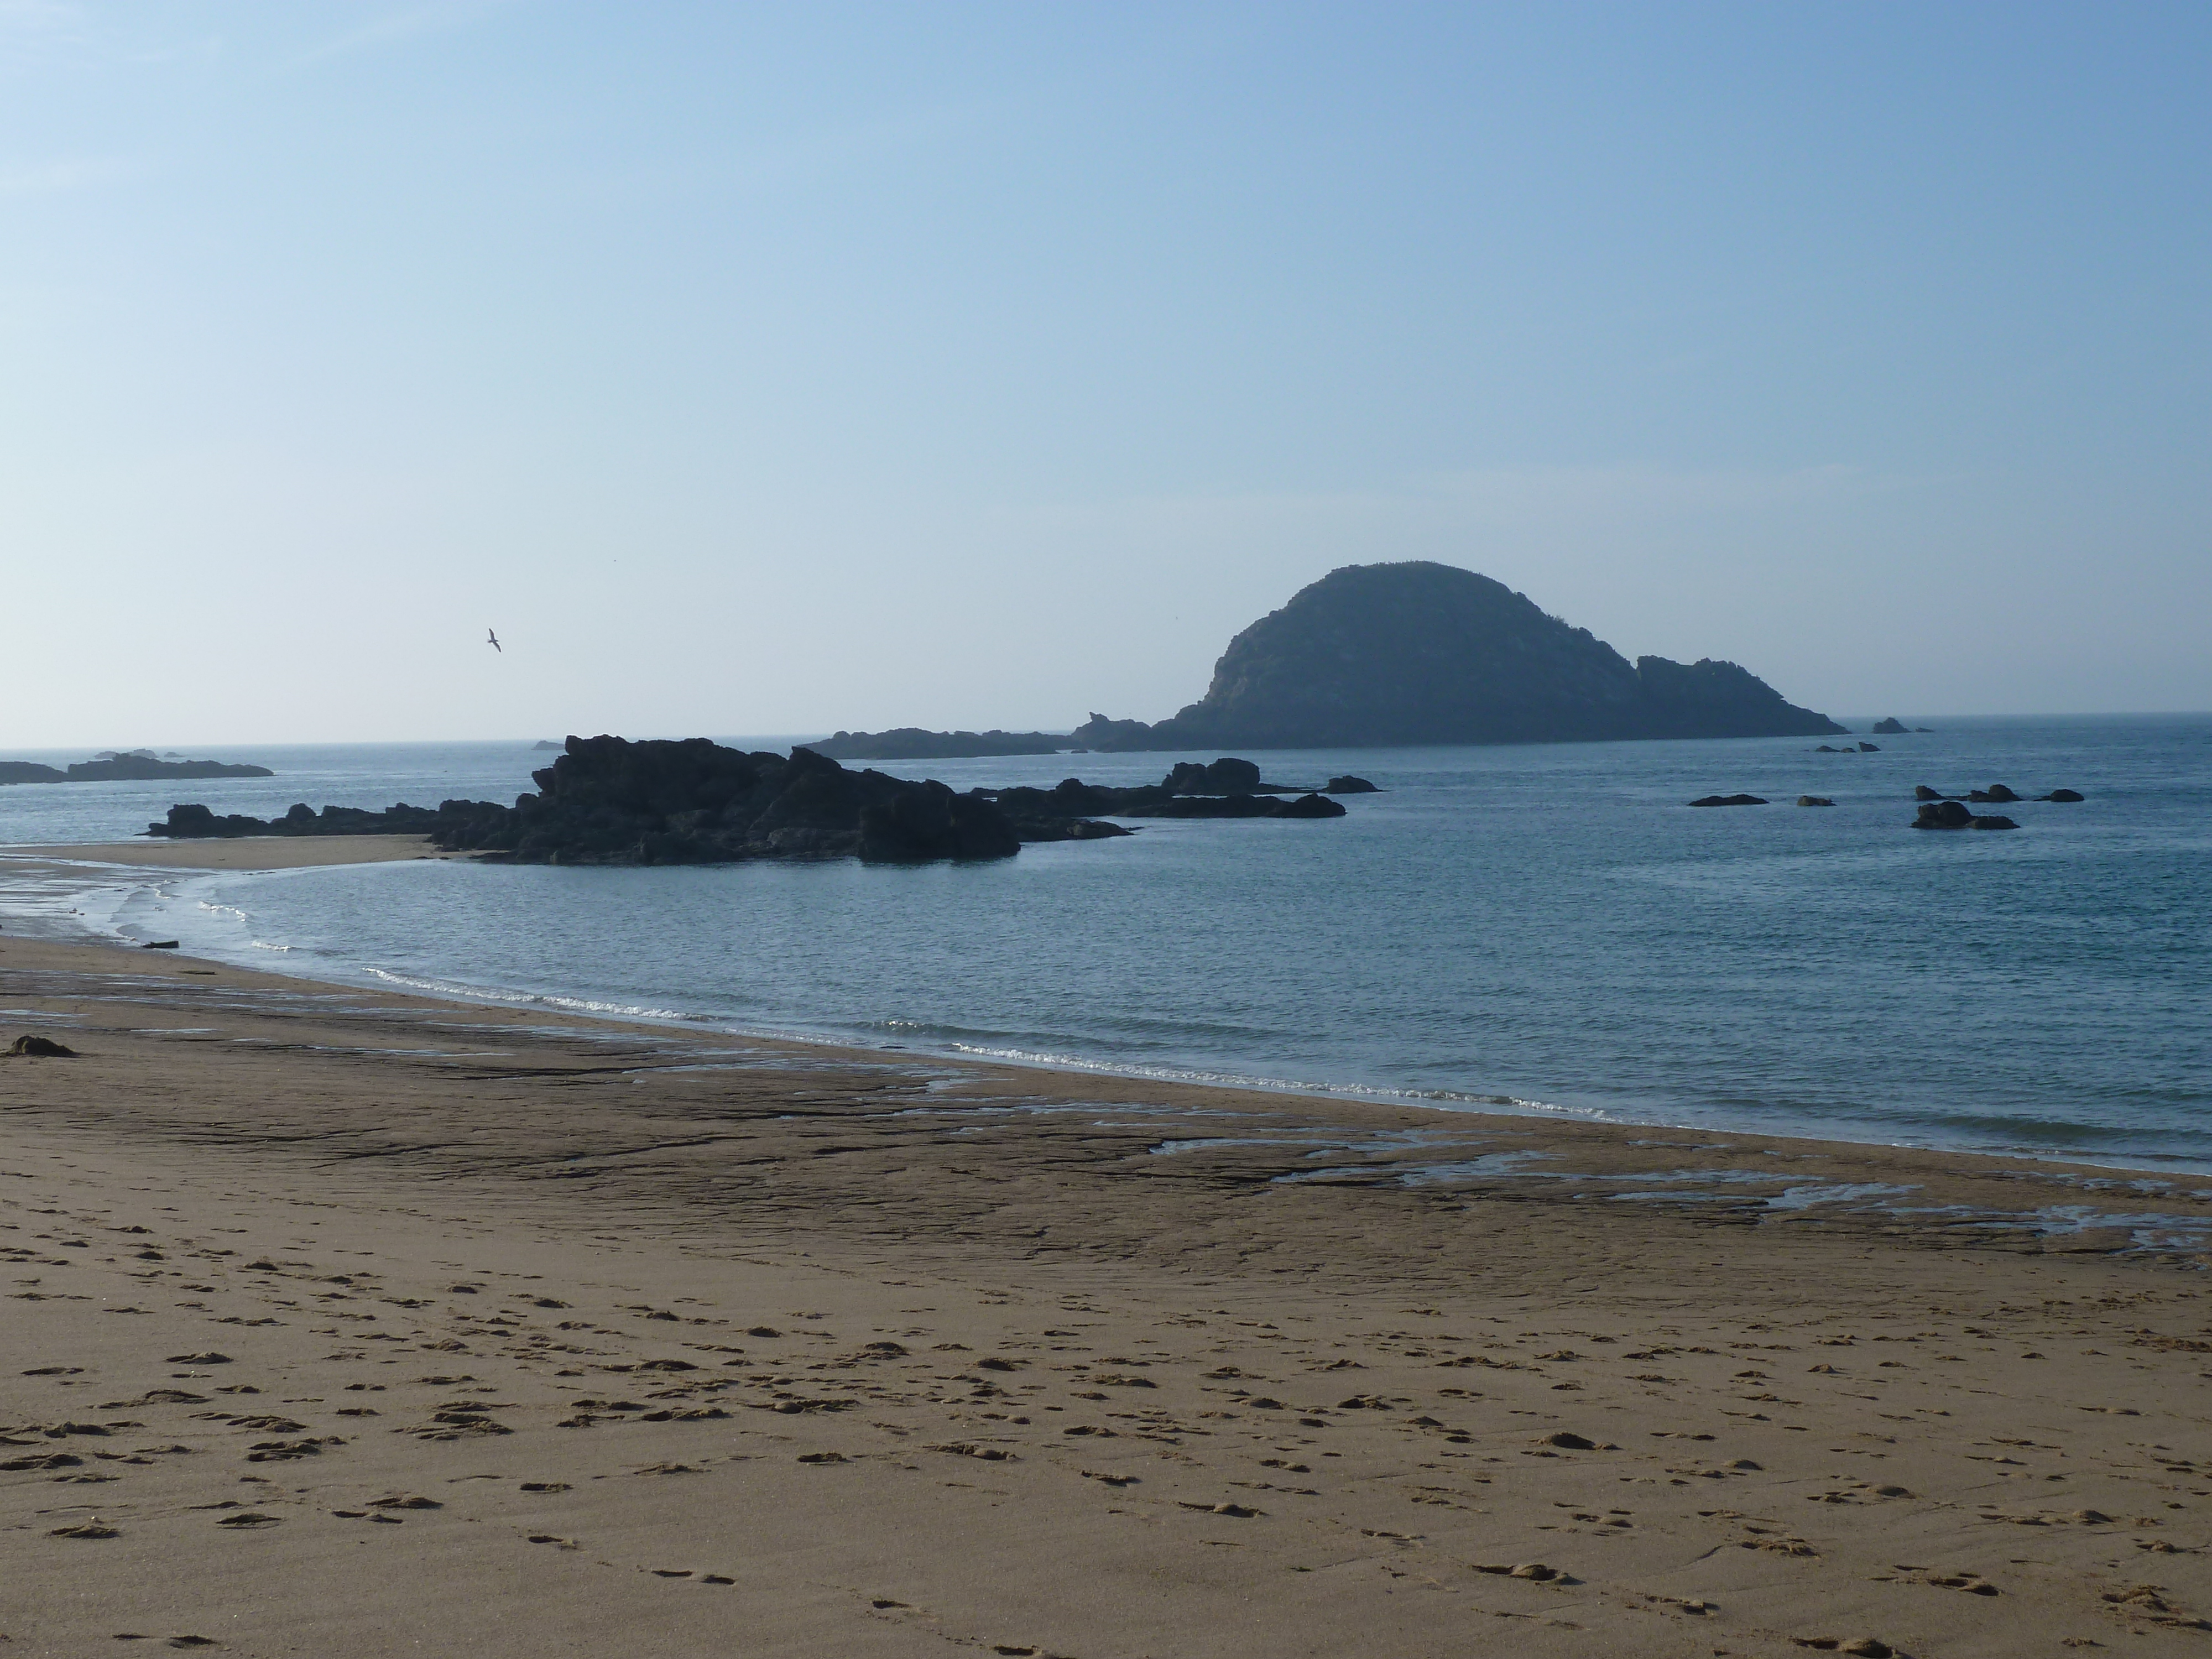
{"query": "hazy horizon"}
pixel 751 368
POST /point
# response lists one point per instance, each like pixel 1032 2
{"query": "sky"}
pixel 761 369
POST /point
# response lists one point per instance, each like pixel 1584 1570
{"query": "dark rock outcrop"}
pixel 39 1047
pixel 1921 792
pixel 1421 652
pixel 1814 800
pixel 2061 794
pixel 1995 793
pixel 196 821
pixel 1950 815
pixel 1889 728
pixel 1228 788
pixel 609 801
pixel 1869 749
pixel 1730 800
pixel 30 772
pixel 1349 785
pixel 1227 776
pixel 912 743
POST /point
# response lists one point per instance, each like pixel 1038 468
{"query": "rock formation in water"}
pixel 1890 728
pixel 1950 815
pixel 138 767
pixel 609 801
pixel 1729 800
pixel 606 801
pixel 912 743
pixel 1418 653
pixel 1226 788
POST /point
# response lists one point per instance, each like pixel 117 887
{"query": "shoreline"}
pixel 247 854
pixel 680 1340
pixel 1956 1188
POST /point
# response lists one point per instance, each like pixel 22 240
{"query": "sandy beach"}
pixel 602 1337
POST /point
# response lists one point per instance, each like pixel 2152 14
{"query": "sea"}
pixel 1544 929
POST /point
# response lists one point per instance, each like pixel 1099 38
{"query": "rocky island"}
pixel 135 766
pixel 1420 652
pixel 1386 655
pixel 606 801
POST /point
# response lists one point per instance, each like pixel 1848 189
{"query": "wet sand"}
pixel 242 852
pixel 341 1323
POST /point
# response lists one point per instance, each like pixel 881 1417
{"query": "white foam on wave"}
pixel 1447 1098
pixel 528 998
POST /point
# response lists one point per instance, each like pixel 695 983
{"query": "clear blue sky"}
pixel 762 368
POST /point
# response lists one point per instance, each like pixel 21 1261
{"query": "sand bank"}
pixel 349 1323
pixel 242 852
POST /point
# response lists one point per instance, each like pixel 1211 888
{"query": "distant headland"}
pixel 128 766
pixel 1411 653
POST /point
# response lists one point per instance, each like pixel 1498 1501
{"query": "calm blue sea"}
pixel 1548 929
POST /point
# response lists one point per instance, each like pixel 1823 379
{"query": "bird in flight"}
pixel 492 639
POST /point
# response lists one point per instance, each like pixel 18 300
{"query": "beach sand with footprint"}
pixel 341 1324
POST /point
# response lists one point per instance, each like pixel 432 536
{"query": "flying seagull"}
pixel 492 639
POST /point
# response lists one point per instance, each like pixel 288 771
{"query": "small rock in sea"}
pixel 1831 749
pixel 1349 785
pixel 1921 792
pixel 1730 800
pixel 1950 815
pixel 2061 794
pixel 1996 792
pixel 1814 800
pixel 1891 727
pixel 1869 749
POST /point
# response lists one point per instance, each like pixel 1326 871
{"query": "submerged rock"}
pixel 1730 800
pixel 1814 800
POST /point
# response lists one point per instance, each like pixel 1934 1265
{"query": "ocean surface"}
pixel 1547 929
